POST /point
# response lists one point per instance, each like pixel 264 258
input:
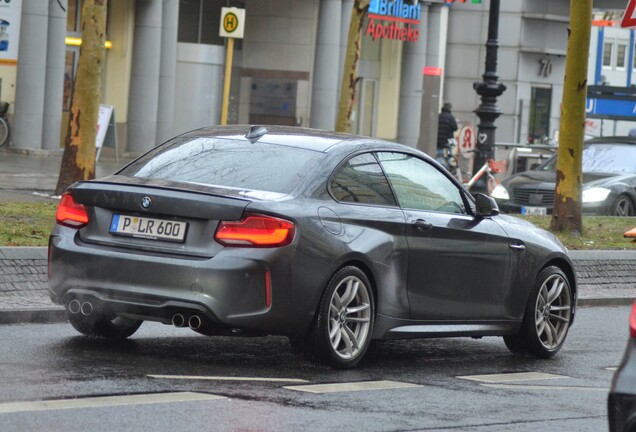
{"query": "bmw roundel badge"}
pixel 146 202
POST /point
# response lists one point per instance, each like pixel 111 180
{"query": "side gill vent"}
pixel 255 133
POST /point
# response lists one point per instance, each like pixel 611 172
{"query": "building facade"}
pixel 165 65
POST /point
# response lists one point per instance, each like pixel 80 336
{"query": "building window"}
pixel 607 54
pixel 621 56
pixel 540 107
pixel 73 15
pixel 199 20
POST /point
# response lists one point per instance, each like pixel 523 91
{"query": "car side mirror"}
pixel 486 205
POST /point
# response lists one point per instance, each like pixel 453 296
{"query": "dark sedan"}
pixel 333 240
pixel 609 182
pixel 622 397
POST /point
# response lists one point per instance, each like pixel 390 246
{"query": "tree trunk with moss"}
pixel 350 71
pixel 78 160
pixel 566 215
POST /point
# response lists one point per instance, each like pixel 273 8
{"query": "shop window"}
pixel 73 16
pixel 199 21
pixel 69 76
pixel 540 106
pixel 607 54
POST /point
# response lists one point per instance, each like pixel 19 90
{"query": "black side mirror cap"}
pixel 486 205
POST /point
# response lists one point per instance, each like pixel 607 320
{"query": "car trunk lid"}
pixel 156 216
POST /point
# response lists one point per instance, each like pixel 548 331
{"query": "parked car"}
pixel 333 240
pixel 609 181
pixel 621 404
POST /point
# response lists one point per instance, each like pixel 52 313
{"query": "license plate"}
pixel 148 228
pixel 534 211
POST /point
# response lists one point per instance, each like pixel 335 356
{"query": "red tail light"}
pixel 70 213
pixel 255 231
pixel 632 322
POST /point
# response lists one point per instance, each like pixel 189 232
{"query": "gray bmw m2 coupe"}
pixel 334 240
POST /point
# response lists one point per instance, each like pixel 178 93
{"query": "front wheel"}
pixel 547 317
pixel 102 326
pixel 344 323
pixel 623 206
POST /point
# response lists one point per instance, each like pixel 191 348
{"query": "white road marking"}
pixel 104 401
pixel 612 369
pixel 352 386
pixel 536 387
pixel 226 378
pixel 508 377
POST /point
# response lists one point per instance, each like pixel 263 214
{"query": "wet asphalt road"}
pixel 51 362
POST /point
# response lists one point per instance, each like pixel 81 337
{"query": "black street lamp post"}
pixel 489 89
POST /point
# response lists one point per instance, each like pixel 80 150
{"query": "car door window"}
pixel 420 186
pixel 361 180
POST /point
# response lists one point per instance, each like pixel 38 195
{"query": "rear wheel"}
pixel 547 317
pixel 623 206
pixel 4 131
pixel 344 324
pixel 102 326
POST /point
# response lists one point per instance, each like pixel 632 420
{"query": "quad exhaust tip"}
pixel 194 322
pixel 74 306
pixel 178 320
pixel 87 308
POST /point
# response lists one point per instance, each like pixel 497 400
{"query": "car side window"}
pixel 361 180
pixel 420 186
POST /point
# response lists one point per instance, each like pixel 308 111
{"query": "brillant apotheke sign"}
pixel 394 19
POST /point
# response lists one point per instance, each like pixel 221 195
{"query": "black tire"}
pixel 101 326
pixel 623 206
pixel 4 131
pixel 344 323
pixel 547 316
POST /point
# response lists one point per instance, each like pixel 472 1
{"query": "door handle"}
pixel 518 246
pixel 421 225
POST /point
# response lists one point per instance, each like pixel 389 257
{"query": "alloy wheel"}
pixel 552 312
pixel 349 317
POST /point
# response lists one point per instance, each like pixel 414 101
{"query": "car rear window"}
pixel 603 158
pixel 228 163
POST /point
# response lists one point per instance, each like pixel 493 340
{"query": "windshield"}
pixel 606 158
pixel 229 163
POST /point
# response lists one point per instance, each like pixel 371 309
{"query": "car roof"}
pixel 612 140
pixel 305 138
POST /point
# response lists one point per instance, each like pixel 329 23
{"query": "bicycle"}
pixel 4 124
pixel 489 167
pixel 448 159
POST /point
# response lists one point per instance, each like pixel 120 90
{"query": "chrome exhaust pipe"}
pixel 194 322
pixel 74 306
pixel 87 308
pixel 178 320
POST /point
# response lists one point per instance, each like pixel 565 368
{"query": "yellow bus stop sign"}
pixel 232 22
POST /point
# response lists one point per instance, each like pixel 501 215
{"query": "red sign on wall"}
pixel 628 19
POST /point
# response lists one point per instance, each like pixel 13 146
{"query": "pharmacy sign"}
pixel 394 19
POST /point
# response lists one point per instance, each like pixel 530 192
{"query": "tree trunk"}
pixel 78 160
pixel 350 71
pixel 566 215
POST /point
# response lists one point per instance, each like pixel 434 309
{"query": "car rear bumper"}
pixel 228 290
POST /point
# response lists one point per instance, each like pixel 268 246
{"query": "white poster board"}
pixel 10 16
pixel 106 130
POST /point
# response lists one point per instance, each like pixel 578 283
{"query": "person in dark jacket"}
pixel 446 126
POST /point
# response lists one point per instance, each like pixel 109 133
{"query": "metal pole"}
pixel 228 76
pixel 489 89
